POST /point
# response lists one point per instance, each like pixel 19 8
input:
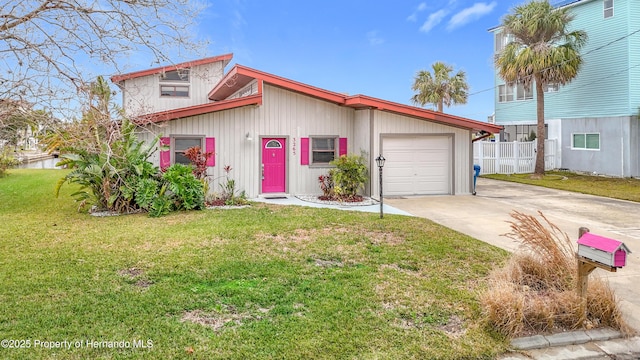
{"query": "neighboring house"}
pixel 594 119
pixel 279 135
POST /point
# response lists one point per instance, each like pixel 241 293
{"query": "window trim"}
pixel 525 91
pixel 605 9
pixel 336 145
pixel 175 93
pixel 505 93
pixel 181 79
pixel 551 87
pixel 585 134
pixel 173 149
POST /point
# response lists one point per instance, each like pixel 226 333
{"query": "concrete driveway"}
pixel 485 217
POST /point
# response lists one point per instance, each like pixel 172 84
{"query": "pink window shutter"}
pixel 165 154
pixel 304 151
pixel 342 147
pixel 210 146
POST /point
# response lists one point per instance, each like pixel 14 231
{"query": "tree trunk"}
pixel 440 105
pixel 539 170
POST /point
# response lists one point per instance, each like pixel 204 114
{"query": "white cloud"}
pixel 374 38
pixel 414 16
pixel 433 20
pixel 470 14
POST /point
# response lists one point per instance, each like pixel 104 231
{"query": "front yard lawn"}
pixel 255 283
pixel 617 188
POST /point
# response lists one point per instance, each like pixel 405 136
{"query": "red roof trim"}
pixel 245 74
pixel 201 109
pixel 384 105
pixel 239 70
pixel 118 78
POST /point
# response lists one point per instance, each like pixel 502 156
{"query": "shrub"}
pixel 7 160
pixel 536 291
pixel 350 175
pixel 110 178
pixel 326 185
pixel 198 160
pixel 344 182
pixel 183 188
pixel 229 194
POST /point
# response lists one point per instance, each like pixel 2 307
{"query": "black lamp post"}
pixel 380 162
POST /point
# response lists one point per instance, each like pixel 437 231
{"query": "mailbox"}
pixel 603 250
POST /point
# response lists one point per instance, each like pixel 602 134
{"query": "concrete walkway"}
pixel 486 217
pixel 292 200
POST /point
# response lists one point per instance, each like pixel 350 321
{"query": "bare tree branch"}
pixel 51 49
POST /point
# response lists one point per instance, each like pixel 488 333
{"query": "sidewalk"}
pixel 594 344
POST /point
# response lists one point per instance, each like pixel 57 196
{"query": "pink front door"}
pixel 273 165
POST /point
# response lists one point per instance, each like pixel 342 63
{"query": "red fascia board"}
pixel 384 105
pixel 189 64
pixel 280 82
pixel 202 109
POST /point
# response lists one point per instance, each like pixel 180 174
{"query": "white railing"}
pixel 512 157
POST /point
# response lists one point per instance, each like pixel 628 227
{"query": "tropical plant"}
pixel 543 51
pixel 199 160
pixel 107 159
pixel 183 188
pixel 109 179
pixel 326 185
pixel 349 176
pixel 7 160
pixel 440 88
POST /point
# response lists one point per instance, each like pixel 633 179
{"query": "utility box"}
pixel 603 250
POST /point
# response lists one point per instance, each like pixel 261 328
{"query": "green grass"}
pixel 256 283
pixel 617 188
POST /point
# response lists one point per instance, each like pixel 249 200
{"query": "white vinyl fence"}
pixel 512 157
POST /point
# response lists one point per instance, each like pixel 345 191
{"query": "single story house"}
pixel 279 135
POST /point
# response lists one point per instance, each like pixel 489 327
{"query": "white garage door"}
pixel 417 165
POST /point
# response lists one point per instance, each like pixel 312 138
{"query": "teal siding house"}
pixel 594 119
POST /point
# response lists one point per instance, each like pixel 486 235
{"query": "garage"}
pixel 417 165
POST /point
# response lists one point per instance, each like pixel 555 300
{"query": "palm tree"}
pixel 440 88
pixel 543 51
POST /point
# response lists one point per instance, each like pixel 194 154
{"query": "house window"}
pixel 273 144
pixel 181 144
pixel 501 40
pixel 175 76
pixel 524 92
pixel 586 141
pixel 554 87
pixel 505 93
pixel 608 8
pixel 323 150
pixel 174 91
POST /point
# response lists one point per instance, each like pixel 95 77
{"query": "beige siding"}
pixel 294 116
pixel 297 116
pixel 142 95
pixel 284 114
pixel 361 140
pixel 389 123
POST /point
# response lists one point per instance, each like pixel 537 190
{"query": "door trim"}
pixel 286 161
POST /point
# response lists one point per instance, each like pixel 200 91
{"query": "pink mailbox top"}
pixel 602 243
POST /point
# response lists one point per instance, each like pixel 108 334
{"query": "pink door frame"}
pixel 273 165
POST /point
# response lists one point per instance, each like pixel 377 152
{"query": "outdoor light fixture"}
pixel 380 162
pixel 248 137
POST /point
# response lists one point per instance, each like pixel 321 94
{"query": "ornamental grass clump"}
pixel 535 292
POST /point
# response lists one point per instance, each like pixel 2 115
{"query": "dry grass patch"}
pixel 536 290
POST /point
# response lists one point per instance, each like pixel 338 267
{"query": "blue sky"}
pixel 360 47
